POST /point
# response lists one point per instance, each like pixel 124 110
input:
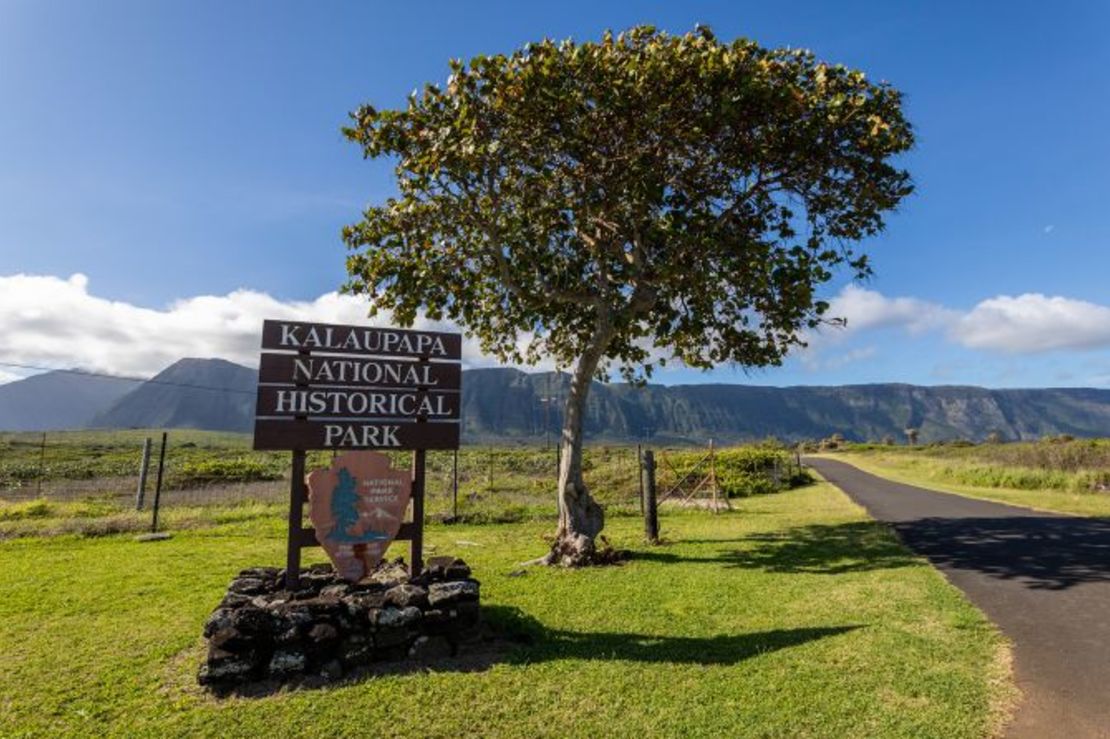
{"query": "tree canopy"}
pixel 690 194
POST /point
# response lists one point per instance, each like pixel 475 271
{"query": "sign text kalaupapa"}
pixel 337 339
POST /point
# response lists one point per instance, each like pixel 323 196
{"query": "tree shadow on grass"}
pixel 540 643
pixel 509 636
pixel 821 549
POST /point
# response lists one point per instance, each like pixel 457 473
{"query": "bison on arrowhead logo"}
pixel 356 506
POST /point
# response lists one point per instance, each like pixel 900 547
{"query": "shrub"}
pixel 741 471
pixel 205 472
pixel 23 511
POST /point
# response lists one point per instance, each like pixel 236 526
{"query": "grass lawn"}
pixel 945 474
pixel 794 615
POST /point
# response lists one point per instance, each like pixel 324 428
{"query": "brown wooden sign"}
pixel 328 338
pixel 357 506
pixel 348 371
pixel 278 434
pixel 387 389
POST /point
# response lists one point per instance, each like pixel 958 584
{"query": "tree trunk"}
pixel 580 517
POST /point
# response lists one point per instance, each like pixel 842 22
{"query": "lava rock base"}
pixel 261 632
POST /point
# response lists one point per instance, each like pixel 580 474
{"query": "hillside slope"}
pixel 58 400
pixel 208 394
pixel 506 404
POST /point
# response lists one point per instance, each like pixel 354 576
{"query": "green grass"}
pixel 794 615
pixel 1044 489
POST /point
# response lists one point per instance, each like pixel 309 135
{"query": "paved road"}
pixel 1043 578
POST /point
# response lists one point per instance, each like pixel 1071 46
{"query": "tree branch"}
pixel 546 291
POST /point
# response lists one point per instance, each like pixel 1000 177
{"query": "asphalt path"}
pixel 1044 578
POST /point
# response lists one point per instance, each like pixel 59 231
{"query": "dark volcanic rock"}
pixel 447 568
pixel 220 619
pixel 405 595
pixel 235 600
pixel 247 586
pixel 323 633
pixel 255 621
pixel 287 661
pixel 444 593
pixel 263 633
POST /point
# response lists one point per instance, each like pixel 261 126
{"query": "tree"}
pixel 604 202
pixel 911 436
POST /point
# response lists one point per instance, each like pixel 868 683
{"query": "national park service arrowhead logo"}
pixel 356 506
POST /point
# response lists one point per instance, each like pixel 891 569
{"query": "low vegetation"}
pixel 793 615
pixel 1056 473
pixel 96 517
pixel 496 484
pixel 26 461
pixel 739 471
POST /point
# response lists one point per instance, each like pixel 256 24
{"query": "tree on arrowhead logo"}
pixel 357 506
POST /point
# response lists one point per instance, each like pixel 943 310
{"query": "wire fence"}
pixel 100 472
pixel 200 471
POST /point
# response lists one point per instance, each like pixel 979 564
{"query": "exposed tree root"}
pixel 580 551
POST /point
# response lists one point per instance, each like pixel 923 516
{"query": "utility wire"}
pixel 128 378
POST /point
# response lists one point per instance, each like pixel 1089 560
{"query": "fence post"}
pixel 713 476
pixel 158 484
pixel 640 474
pixel 651 514
pixel 455 485
pixel 42 466
pixel 416 544
pixel 144 467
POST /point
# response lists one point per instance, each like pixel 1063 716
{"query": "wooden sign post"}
pixel 339 387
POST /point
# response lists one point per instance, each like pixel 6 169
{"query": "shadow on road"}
pixel 1041 552
pixel 1052 553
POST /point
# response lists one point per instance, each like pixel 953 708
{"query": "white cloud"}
pixel 56 322
pixel 868 309
pixel 816 361
pixel 1033 323
pixel 1026 324
pixel 855 355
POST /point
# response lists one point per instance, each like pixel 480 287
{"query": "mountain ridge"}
pixel 59 399
pixel 184 395
pixel 505 404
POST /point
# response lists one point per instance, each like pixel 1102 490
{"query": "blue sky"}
pixel 173 151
